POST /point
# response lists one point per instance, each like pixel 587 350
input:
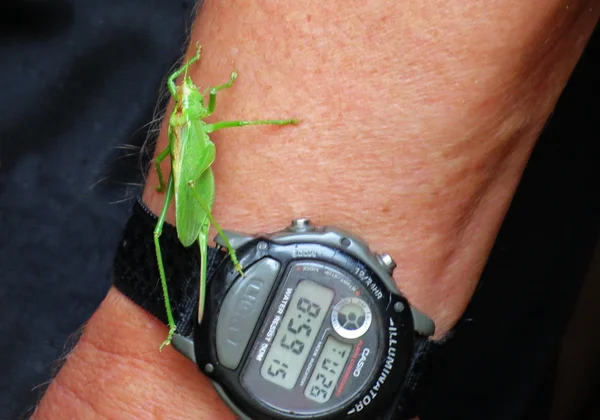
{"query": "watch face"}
pixel 308 332
pixel 303 360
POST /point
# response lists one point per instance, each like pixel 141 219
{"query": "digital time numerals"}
pixel 297 333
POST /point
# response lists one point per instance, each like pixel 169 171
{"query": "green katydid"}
pixel 191 181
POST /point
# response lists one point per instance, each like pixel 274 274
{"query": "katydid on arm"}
pixel 191 181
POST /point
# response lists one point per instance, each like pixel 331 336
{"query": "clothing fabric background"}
pixel 81 79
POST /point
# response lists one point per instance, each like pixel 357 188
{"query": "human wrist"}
pixel 117 372
pixel 424 169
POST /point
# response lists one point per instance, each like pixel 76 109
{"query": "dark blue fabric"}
pixel 79 79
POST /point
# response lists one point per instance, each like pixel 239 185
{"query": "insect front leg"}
pixel 212 99
pixel 161 269
pixel 161 156
pixel 230 250
pixel 177 73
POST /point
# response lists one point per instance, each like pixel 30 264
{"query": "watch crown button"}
pixel 301 225
pixel 386 261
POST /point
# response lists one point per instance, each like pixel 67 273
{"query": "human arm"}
pixel 417 123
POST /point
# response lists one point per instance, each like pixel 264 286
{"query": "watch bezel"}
pixel 253 250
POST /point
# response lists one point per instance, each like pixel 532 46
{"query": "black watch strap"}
pixel 412 398
pixel 135 271
pixel 135 274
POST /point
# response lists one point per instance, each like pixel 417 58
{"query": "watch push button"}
pixel 240 311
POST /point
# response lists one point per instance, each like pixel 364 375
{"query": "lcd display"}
pixel 327 373
pixel 297 333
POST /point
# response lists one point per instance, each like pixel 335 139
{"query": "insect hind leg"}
pixel 227 124
pixel 157 161
pixel 230 250
pixel 161 270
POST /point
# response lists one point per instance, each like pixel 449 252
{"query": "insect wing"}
pixel 194 180
pixel 192 150
pixel 190 212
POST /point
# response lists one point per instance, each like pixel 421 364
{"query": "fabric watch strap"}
pixel 135 271
pixel 135 275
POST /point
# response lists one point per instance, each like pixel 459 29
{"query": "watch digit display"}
pixel 327 373
pixel 297 333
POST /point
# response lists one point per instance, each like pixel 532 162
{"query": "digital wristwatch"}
pixel 315 328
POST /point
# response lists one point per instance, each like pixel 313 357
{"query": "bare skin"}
pixel 418 119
